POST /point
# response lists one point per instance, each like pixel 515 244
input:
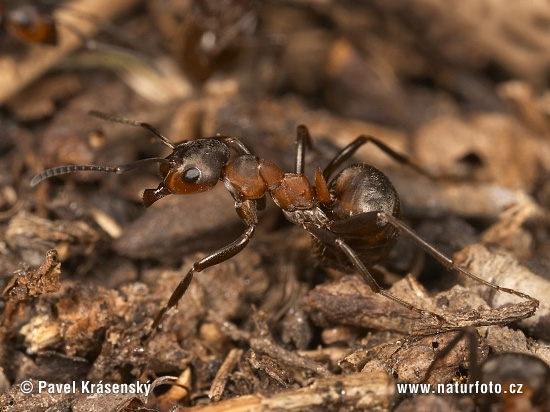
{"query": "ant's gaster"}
pixel 353 216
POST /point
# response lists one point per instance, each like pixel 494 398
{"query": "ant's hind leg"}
pixel 351 148
pixel 444 260
pixel 333 239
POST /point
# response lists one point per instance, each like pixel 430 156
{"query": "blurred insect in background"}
pixel 35 22
pixel 508 381
pixel 29 22
pixel 206 36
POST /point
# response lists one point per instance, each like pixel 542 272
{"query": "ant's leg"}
pixel 357 221
pixel 233 143
pixel 220 255
pixel 353 223
pixel 351 148
pixel 131 122
pixel 303 141
pixel 247 211
pixel 333 239
pixel 444 260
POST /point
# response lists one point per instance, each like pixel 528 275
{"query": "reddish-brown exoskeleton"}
pixel 353 216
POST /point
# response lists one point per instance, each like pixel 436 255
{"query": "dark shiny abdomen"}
pixel 360 189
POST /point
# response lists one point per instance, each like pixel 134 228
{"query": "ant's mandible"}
pixel 353 216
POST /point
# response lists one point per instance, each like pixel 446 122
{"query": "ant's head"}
pixel 193 167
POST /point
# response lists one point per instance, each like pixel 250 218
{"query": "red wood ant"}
pixel 29 23
pixel 355 217
pixel 33 22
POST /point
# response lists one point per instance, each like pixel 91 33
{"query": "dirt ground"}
pixel 460 88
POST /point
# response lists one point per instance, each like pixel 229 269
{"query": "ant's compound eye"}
pixel 191 175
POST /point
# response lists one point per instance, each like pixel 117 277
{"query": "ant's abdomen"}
pixel 363 190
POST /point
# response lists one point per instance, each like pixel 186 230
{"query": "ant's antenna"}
pixel 61 170
pixel 147 126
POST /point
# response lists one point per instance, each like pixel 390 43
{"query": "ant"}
pixel 517 381
pixel 353 216
pixel 33 22
pixel 29 23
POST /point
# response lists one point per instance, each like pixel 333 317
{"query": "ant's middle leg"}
pixel 333 239
pixel 351 148
pixel 303 141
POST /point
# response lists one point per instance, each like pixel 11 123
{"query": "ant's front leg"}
pixel 247 212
